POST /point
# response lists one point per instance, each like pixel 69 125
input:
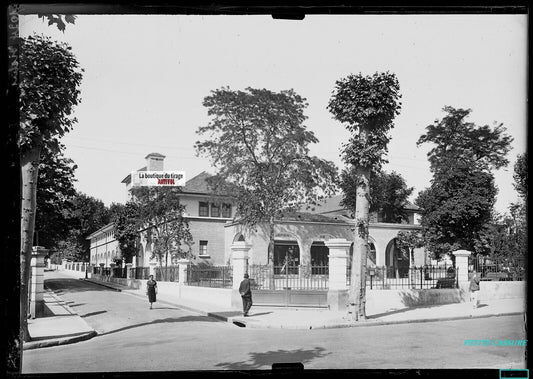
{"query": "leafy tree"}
pixel 127 227
pixel 59 20
pixel 55 187
pixel 161 216
pixel 455 139
pixel 367 106
pixel 457 207
pixel 455 210
pixel 409 241
pixel 86 215
pixel 49 78
pixel 388 194
pixel 520 175
pixel 260 148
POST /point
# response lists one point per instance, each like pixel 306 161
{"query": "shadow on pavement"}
pixel 265 360
pixel 377 315
pixel 164 320
pixel 62 286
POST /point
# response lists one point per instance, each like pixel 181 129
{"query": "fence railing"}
pixel 167 274
pixel 139 272
pixel 422 277
pixel 210 276
pixel 296 277
pixel 499 269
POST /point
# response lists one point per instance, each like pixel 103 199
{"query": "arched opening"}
pixel 239 237
pixel 286 257
pixel 396 260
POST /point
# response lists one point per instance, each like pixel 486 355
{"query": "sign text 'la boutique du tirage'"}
pixel 157 178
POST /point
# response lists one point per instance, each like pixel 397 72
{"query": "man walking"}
pixel 246 294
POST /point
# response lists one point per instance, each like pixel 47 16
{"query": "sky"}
pixel 146 77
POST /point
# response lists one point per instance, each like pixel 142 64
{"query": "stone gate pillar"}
pixel 37 281
pixel 239 263
pixel 461 264
pixel 339 252
pixel 182 270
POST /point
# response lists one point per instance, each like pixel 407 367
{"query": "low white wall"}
pixel 378 301
pixel 492 290
pixel 215 296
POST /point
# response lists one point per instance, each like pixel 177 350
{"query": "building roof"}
pixel 103 229
pixel 332 204
pixel 197 184
pixel 127 179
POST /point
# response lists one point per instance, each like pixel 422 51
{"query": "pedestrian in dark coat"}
pixel 246 294
pixel 151 290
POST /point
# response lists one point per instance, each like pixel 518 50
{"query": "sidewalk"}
pixel 61 325
pixel 320 318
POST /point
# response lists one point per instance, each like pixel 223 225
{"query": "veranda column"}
pixel 239 263
pixel 339 250
pixel 37 281
pixel 461 264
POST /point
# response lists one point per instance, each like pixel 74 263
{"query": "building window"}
pixel 226 210
pixel 215 210
pixel 204 209
pixel 203 247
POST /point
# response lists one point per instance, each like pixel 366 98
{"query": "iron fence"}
pixel 139 272
pixel 167 274
pixel 422 277
pixel 296 277
pixel 499 269
pixel 120 272
pixel 210 276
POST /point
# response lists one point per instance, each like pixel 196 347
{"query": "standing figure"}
pixel 474 289
pixel 151 290
pixel 246 294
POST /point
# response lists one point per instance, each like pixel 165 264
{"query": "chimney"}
pixel 154 162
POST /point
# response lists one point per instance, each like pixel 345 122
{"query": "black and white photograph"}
pixel 249 191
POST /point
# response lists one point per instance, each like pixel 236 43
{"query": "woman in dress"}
pixel 151 290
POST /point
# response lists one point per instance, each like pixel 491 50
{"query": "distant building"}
pixel 299 237
pixel 104 247
pixel 205 213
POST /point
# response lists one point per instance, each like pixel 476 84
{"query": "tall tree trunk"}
pixel 29 163
pixel 270 258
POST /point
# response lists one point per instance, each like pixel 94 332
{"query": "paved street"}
pixel 134 338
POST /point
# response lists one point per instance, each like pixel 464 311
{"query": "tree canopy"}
pixel 259 146
pixel 455 139
pixel 50 77
pixel 520 175
pixel 54 190
pixel 458 206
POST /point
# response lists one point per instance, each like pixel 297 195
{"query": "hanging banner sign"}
pixel 158 178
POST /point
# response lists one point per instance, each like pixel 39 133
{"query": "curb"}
pixel 58 341
pixel 254 325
